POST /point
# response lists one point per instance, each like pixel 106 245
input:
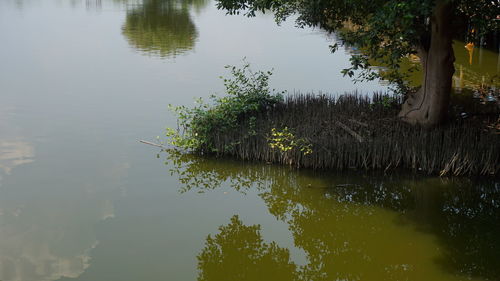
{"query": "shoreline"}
pixel 351 132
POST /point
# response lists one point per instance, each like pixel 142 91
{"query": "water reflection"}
pixel 162 28
pixel 47 231
pixel 475 67
pixel 15 150
pixel 44 244
pixel 47 235
pixel 354 227
pixel 32 245
pixel 14 153
pixel 238 252
pixel 37 262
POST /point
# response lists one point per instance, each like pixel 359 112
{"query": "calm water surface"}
pixel 81 81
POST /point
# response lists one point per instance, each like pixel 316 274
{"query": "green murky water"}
pixel 474 68
pixel 81 81
pixel 347 227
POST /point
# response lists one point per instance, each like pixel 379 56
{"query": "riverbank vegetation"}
pixel 342 132
pixel 351 131
pixel 247 94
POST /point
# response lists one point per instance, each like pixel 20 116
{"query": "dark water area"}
pixel 350 226
pixel 81 81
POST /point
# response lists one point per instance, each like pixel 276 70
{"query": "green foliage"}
pixel 385 30
pixel 247 93
pixel 285 141
pixel 385 102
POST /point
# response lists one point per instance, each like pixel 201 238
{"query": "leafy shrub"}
pixel 285 140
pixel 247 93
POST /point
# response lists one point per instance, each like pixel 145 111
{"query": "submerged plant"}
pixel 247 93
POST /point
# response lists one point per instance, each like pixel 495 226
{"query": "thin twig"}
pixel 153 144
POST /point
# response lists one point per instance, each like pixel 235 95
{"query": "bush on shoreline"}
pixel 248 93
pixel 352 131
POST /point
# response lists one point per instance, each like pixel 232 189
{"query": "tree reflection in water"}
pixel 162 27
pixel 239 253
pixel 352 227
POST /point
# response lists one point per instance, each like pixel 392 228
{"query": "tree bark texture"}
pixel 429 105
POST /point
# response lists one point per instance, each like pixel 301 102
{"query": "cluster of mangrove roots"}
pixel 356 132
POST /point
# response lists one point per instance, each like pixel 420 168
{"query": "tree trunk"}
pixel 429 105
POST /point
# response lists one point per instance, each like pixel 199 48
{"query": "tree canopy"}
pixel 388 30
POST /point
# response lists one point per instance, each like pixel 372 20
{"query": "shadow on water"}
pixel 351 226
pixel 162 28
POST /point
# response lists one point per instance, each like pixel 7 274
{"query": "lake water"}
pixel 82 81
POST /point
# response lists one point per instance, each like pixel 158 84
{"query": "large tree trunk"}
pixel 429 105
